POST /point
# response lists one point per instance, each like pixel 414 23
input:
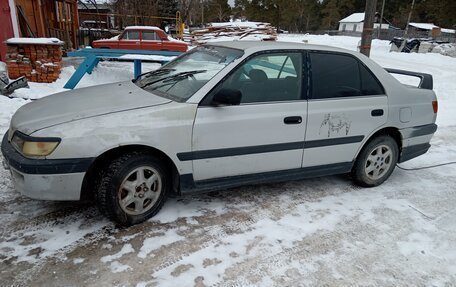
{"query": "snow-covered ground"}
pixel 322 231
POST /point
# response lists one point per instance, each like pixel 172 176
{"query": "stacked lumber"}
pixel 38 62
pixel 233 30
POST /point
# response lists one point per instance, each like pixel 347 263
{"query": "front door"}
pixel 130 40
pixel 265 132
pixel 346 104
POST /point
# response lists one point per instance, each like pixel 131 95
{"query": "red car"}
pixel 142 38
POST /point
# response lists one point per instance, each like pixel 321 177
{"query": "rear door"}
pixel 346 104
pixel 265 132
pixel 150 41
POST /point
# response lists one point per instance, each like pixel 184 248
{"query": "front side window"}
pixel 268 78
pixel 131 35
pixel 181 78
pixel 337 75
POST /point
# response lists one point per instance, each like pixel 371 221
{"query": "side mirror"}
pixel 227 97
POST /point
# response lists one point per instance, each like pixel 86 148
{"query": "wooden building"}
pixel 39 18
pixel 97 16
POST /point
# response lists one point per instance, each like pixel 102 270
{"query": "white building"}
pixel 355 23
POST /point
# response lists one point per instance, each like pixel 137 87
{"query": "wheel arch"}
pixel 106 157
pixel 389 131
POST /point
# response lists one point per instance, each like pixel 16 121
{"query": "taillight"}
pixel 435 106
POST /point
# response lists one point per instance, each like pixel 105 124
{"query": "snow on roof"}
pixel 142 28
pixel 353 18
pixel 450 31
pixel 430 26
pixel 40 41
pixel 424 26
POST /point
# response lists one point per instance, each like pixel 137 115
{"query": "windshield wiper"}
pixel 174 77
pixel 158 72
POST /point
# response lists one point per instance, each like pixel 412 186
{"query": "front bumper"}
pixel 48 179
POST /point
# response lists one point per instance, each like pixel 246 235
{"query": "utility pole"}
pixel 381 20
pixel 409 18
pixel 366 37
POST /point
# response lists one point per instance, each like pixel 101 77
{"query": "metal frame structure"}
pixel 93 57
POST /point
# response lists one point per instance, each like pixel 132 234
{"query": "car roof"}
pixel 142 28
pixel 254 46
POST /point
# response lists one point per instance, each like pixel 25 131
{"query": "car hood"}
pixel 82 103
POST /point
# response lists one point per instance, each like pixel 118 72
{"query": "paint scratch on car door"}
pixel 335 124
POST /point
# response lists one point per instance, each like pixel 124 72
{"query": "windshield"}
pixel 181 78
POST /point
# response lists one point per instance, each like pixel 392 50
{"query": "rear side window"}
pixel 369 85
pixel 149 36
pixel 336 75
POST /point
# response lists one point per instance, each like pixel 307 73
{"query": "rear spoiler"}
pixel 426 79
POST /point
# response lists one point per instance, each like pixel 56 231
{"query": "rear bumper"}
pixel 413 151
pixel 415 141
pixel 47 179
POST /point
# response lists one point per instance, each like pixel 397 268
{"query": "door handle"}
pixel 296 120
pixel 377 113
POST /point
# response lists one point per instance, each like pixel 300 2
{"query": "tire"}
pixel 128 198
pixel 376 161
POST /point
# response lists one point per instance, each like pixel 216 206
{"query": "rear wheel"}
pixel 133 188
pixel 376 162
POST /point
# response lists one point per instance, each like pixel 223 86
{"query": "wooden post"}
pixel 75 22
pixel 366 38
pixel 381 20
pixel 202 13
pixel 65 17
pixel 41 30
pixel 409 18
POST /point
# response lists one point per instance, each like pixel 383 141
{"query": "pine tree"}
pixel 217 11
pixel 331 15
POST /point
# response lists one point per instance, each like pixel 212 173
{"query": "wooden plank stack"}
pixel 257 31
pixel 40 63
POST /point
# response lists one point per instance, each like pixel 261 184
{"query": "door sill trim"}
pixel 188 185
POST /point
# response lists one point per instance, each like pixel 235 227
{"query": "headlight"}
pixel 34 146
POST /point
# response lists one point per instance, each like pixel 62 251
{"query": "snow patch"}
pixel 117 267
pixel 78 260
pixel 127 248
pixel 178 208
pixel 156 242
pixel 47 240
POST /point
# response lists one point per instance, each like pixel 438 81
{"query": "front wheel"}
pixel 376 162
pixel 133 188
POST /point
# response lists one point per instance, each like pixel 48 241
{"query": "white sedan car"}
pixel 220 116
